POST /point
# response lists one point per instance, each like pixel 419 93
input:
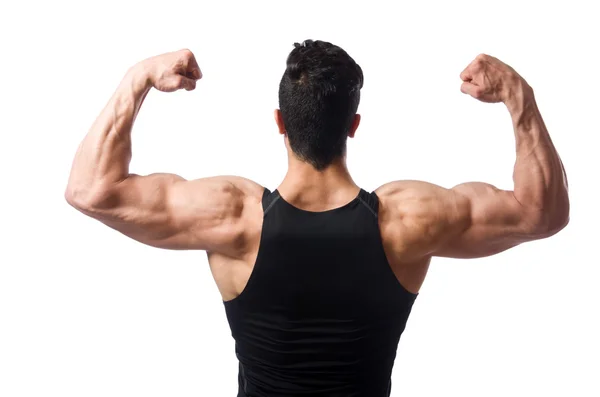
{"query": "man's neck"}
pixel 305 184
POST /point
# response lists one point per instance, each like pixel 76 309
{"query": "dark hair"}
pixel 318 98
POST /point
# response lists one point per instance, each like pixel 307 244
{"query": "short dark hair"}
pixel 318 98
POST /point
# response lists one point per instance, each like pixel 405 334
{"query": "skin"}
pixel 223 215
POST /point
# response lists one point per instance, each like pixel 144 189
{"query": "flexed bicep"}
pixel 167 211
pixel 491 221
pixel 468 221
pixel 161 210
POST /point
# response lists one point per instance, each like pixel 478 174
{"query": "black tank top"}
pixel 322 312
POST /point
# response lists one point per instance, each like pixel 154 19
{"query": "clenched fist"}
pixel 491 80
pixel 173 71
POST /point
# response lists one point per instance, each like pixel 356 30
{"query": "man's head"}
pixel 318 98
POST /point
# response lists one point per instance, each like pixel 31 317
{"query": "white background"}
pixel 85 311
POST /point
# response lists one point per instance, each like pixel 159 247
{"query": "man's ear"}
pixel 279 121
pixel 354 127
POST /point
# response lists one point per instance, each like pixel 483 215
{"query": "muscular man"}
pixel 318 277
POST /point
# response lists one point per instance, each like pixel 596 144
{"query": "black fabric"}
pixel 322 312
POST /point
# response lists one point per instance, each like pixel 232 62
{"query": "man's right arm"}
pixel 477 219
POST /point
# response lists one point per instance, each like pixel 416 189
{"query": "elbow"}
pixel 73 196
pixel 78 198
pixel 84 199
pixel 559 218
pixel 549 221
pixel 555 225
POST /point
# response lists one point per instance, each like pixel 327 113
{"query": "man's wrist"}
pixel 519 98
pixel 139 75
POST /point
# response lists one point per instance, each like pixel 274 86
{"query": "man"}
pixel 318 277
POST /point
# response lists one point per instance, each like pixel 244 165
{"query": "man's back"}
pixel 322 312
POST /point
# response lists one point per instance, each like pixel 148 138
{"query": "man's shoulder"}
pixel 226 188
pixel 413 214
pixel 404 192
pixel 224 211
pixel 229 200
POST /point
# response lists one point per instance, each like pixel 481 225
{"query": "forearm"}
pixel 103 156
pixel 539 176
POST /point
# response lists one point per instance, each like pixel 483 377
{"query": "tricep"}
pixel 166 211
pixel 468 221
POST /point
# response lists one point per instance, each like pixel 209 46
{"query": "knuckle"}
pixel 186 53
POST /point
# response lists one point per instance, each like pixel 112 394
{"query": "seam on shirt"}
pixel 368 207
pixel 271 205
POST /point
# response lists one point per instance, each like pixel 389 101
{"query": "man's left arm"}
pixel 162 210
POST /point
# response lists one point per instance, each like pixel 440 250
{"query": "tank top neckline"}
pixel 329 211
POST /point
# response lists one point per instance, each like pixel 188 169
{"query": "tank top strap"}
pixel 269 199
pixel 369 200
